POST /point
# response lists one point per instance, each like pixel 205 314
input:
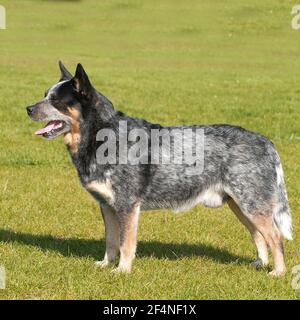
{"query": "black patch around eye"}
pixel 53 97
pixel 59 105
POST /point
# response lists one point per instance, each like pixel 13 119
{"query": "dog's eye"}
pixel 52 97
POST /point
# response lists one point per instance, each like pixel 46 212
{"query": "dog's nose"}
pixel 30 110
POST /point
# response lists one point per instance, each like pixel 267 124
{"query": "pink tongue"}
pixel 48 128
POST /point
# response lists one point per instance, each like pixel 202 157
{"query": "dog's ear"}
pixel 81 82
pixel 64 73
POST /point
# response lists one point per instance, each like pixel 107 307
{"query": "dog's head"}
pixel 63 103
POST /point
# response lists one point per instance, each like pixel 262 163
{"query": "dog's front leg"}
pixel 128 238
pixel 112 236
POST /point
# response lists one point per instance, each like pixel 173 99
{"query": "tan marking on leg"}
pixel 72 138
pixel 265 224
pixel 104 189
pixel 112 236
pixel 262 251
pixel 258 239
pixel 128 238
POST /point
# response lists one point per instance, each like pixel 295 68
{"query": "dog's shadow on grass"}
pixel 95 248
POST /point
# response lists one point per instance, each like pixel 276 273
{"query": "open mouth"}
pixel 51 129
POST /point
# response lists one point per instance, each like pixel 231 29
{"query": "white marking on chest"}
pixel 103 189
pixel 211 198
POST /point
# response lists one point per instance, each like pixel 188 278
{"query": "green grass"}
pixel 180 62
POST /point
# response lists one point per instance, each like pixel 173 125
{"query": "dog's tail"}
pixel 281 212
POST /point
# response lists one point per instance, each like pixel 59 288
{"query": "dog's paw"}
pixel 121 270
pixel 258 264
pixel 276 273
pixel 102 263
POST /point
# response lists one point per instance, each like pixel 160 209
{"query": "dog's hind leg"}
pixel 265 224
pixel 258 239
pixel 112 236
pixel 128 238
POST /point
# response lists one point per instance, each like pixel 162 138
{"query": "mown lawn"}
pixel 172 62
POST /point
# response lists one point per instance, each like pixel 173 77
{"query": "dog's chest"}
pixel 101 190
